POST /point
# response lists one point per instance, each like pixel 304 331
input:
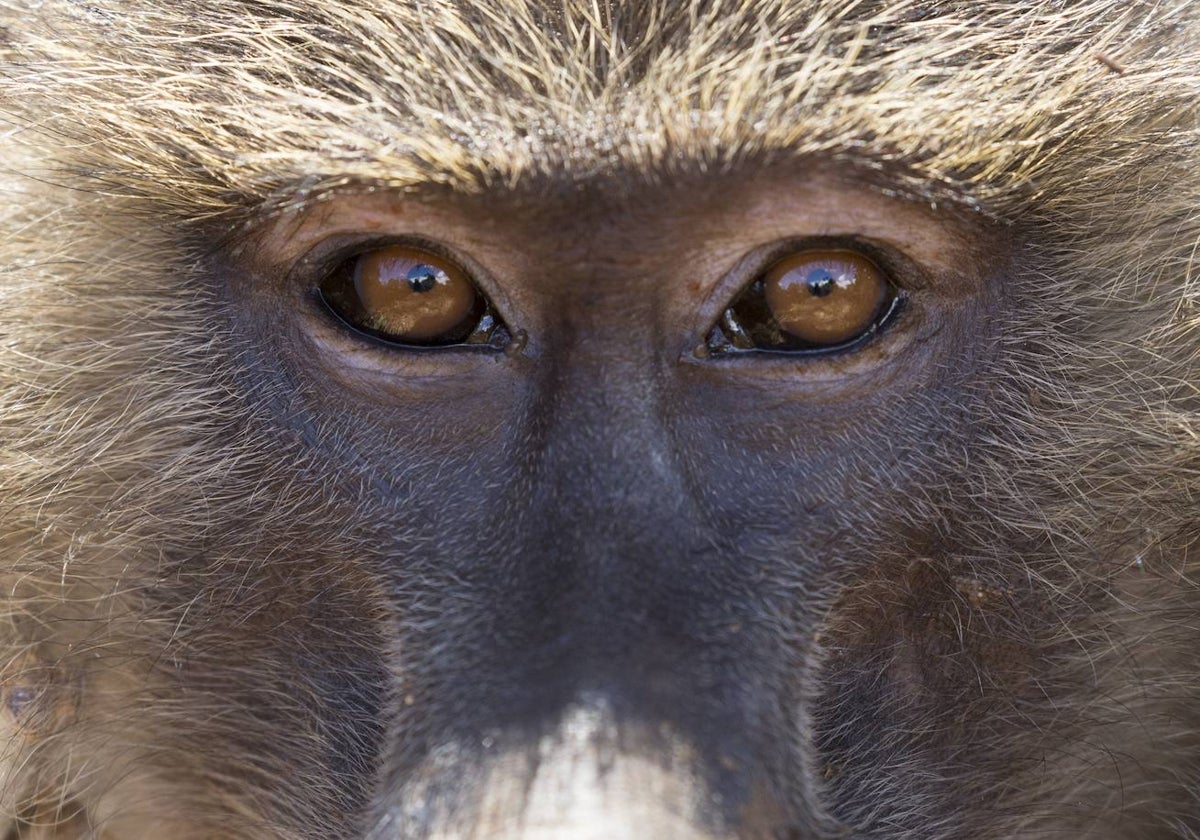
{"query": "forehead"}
pixel 266 101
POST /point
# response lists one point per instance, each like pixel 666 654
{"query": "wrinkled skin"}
pixel 268 578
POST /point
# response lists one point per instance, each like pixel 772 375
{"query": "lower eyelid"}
pixel 885 356
pixel 330 320
pixel 875 334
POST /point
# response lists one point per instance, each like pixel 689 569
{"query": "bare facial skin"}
pixel 598 421
pixel 595 429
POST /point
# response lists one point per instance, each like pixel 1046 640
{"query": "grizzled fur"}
pixel 1030 667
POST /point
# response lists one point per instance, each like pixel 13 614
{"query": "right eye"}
pixel 411 297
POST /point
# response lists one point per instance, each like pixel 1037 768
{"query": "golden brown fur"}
pixel 138 136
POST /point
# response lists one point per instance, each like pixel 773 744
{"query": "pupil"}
pixel 820 282
pixel 422 278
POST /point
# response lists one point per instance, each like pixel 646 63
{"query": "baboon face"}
pixel 519 420
pixel 625 514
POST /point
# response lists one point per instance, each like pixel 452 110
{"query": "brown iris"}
pixel 407 295
pixel 811 301
pixel 825 297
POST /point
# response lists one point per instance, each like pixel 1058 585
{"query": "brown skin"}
pixel 612 271
pixel 689 486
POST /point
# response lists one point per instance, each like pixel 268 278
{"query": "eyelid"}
pixel 892 261
pixel 907 275
pixel 331 253
pixel 336 255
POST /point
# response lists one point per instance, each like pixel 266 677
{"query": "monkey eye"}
pixel 411 297
pixel 814 301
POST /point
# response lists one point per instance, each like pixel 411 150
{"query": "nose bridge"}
pixel 602 395
pixel 621 540
pixel 608 459
pixel 615 606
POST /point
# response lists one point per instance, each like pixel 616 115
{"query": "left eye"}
pixel 411 297
pixel 813 301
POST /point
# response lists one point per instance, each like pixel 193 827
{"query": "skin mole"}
pixel 599 419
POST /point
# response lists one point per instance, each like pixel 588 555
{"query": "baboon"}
pixel 685 419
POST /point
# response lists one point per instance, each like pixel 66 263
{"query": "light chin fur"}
pixel 577 783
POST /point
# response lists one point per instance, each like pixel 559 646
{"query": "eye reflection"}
pixel 410 297
pixel 813 301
